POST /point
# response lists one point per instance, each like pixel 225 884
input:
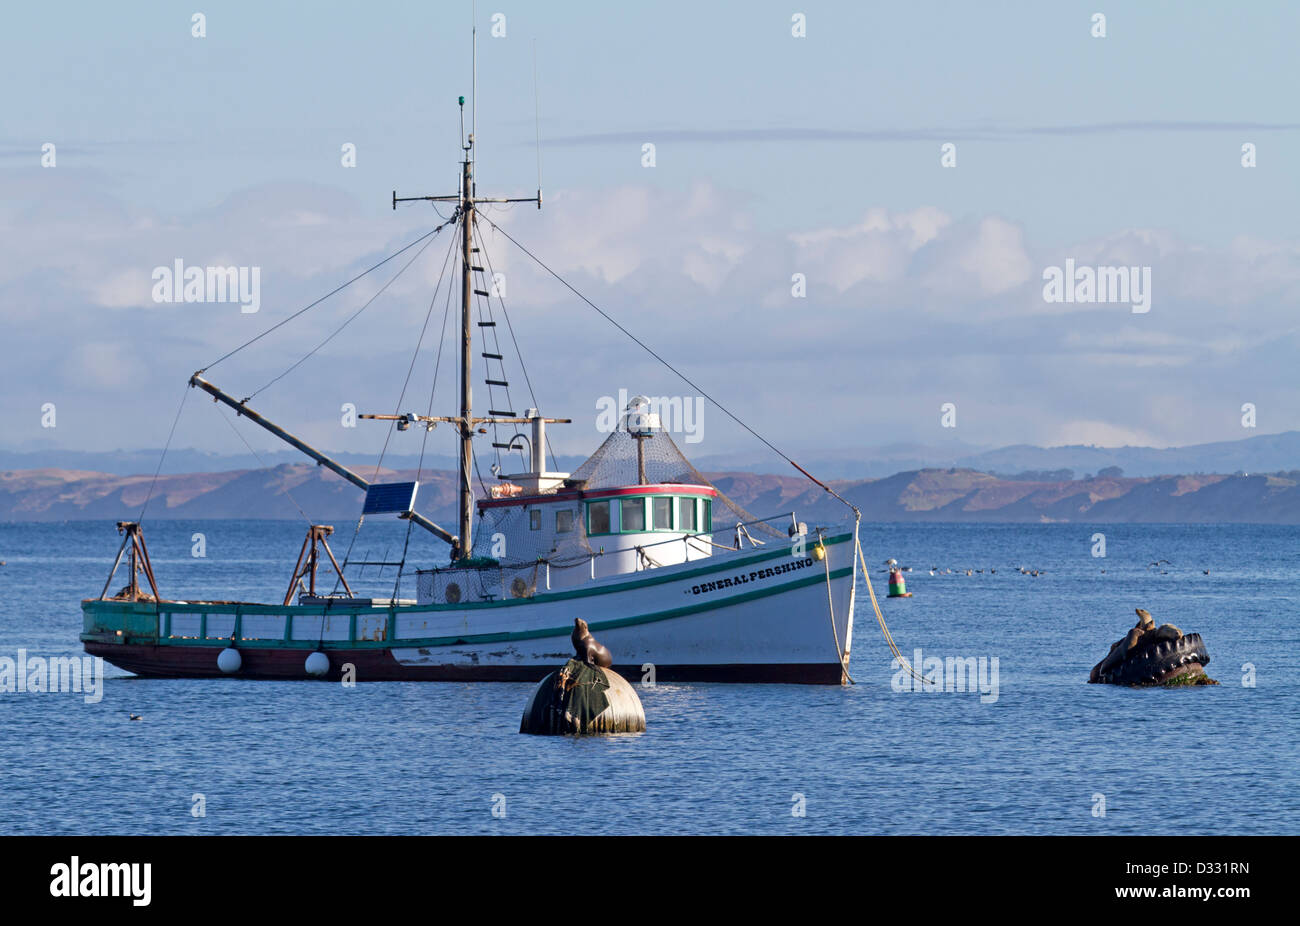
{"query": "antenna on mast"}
pixel 537 124
pixel 473 84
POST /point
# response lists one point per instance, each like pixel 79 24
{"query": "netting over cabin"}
pixel 635 504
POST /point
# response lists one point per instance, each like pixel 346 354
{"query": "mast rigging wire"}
pixel 649 350
pixel 433 300
pixel 167 446
pixel 332 292
pixel 259 459
pixel 518 353
pixel 349 320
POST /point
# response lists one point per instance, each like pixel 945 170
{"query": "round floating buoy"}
pixel 897 587
pixel 582 699
pixel 317 664
pixel 229 660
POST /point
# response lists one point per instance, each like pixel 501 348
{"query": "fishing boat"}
pixel 678 581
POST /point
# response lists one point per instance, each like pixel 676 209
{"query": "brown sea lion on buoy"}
pixel 586 647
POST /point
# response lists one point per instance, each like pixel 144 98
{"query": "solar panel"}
pixel 384 497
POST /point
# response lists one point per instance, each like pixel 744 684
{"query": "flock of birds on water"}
pixel 1023 570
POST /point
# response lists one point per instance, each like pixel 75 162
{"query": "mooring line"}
pixel 880 618
pixel 830 602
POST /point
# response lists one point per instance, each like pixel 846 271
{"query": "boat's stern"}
pixel 115 622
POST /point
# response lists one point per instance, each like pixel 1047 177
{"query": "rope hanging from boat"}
pixel 682 376
pixel 830 604
pixel 880 618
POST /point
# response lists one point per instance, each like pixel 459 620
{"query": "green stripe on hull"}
pixel 319 610
pixel 150 610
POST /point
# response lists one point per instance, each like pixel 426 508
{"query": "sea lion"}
pixel 1122 648
pixel 586 647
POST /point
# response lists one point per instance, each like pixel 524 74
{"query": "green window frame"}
pixel 598 518
pixel 686 514
pixel 632 509
pixel 661 512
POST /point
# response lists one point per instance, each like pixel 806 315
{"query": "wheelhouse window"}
pixel 632 515
pixel 707 520
pixel 534 520
pixel 563 521
pixel 686 514
pixel 598 518
pixel 661 511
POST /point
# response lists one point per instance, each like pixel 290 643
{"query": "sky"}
pixel 777 159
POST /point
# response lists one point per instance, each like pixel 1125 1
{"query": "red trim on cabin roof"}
pixel 568 495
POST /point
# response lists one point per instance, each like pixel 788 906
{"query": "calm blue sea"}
pixel 314 757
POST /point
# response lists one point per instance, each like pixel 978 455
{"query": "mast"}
pixel 466 424
pixel 466 346
pixel 466 200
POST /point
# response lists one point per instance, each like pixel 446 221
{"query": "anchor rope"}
pixel 840 655
pixel 880 617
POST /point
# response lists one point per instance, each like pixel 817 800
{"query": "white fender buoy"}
pixel 229 660
pixel 317 664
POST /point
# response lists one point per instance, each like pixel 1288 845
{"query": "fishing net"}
pixel 626 459
pixel 516 546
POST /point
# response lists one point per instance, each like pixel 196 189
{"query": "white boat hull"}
pixel 761 614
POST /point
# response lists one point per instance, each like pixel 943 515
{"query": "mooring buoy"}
pixel 585 696
pixel 897 585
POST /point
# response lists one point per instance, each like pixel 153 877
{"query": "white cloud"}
pixel 1103 434
pixel 915 306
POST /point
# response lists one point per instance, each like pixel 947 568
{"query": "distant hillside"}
pixel 273 494
pixel 918 495
pixel 1265 453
